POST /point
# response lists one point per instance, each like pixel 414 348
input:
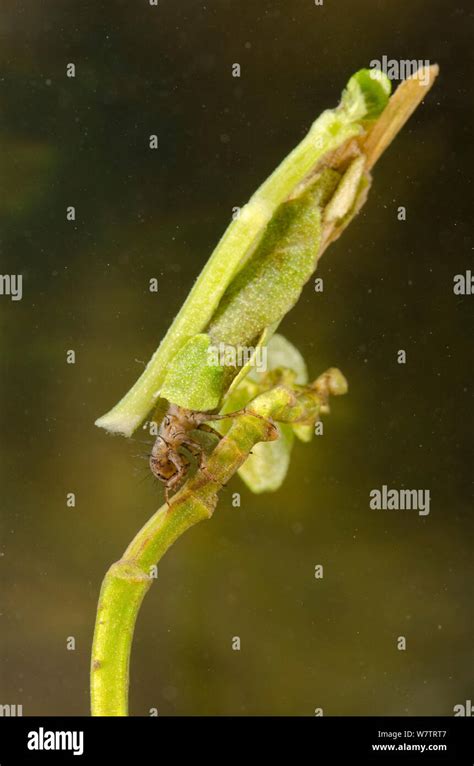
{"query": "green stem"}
pixel 121 596
pixel 128 580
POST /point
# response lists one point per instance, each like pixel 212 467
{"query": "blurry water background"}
pixel 388 285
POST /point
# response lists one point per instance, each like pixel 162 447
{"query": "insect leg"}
pixel 195 449
pixel 209 430
pixel 181 465
pixel 246 411
pixel 236 414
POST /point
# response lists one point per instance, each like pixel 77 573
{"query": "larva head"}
pixel 166 463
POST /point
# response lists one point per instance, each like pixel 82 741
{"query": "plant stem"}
pixel 128 580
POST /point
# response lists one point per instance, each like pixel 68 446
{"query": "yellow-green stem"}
pixel 128 580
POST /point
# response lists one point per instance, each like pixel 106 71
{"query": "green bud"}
pixel 366 95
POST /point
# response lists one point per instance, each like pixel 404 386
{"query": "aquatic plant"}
pixel 252 279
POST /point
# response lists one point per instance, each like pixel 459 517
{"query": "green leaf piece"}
pixel 281 353
pixel 194 379
pixel 266 468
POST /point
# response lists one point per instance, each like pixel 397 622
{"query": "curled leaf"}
pixel 271 282
pixel 240 270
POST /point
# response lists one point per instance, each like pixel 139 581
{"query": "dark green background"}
pixel 249 572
